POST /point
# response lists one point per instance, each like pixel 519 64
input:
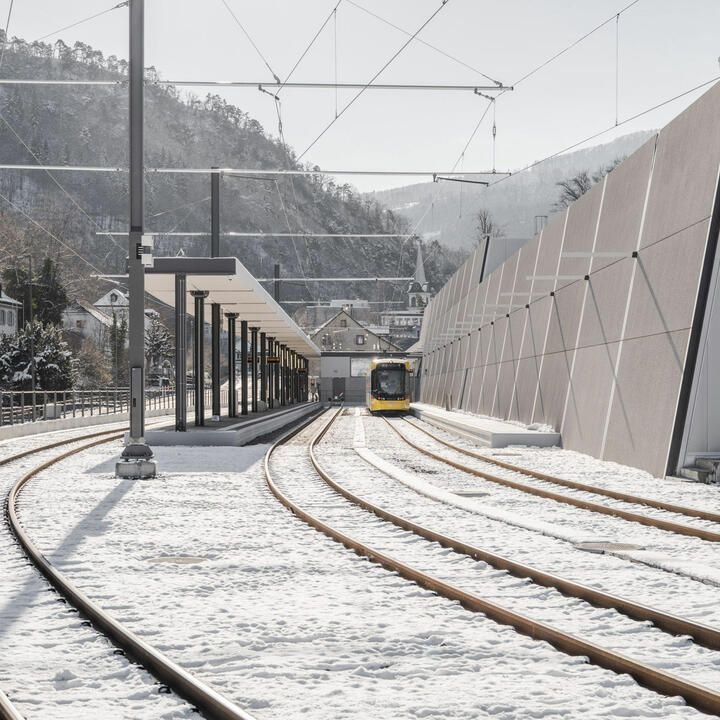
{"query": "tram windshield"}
pixel 388 382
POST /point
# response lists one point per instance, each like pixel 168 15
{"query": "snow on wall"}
pixel 587 327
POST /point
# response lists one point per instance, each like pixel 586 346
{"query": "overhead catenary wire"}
pixel 423 42
pixel 53 178
pixel 83 20
pixel 574 44
pixel 247 173
pixel 252 42
pixel 309 46
pixel 268 234
pixel 608 129
pixel 374 77
pixel 48 232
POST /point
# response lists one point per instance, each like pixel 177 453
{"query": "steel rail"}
pixel 50 446
pixel 664 683
pixel 704 635
pixel 628 515
pixel 210 703
pixel 615 494
pixel 7 710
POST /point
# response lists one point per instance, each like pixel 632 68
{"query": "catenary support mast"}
pixel 137 457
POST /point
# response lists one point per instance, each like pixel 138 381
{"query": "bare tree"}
pixel 575 187
pixel 486 226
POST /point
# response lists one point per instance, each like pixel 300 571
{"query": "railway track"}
pixel 574 485
pixel 660 523
pixel 211 704
pixel 387 548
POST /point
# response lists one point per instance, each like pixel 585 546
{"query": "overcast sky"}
pixel 665 48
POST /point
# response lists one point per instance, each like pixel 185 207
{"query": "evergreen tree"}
pixel 49 298
pixel 49 295
pixel 158 344
pixel 54 364
pixel 118 352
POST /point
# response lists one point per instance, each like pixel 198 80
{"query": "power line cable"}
pixel 423 42
pixel 84 20
pixel 310 44
pixel 45 230
pixel 252 42
pixel 573 44
pixel 608 129
pixel 374 77
pixel 54 179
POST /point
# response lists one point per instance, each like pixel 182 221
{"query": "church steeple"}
pixel 418 290
pixel 420 278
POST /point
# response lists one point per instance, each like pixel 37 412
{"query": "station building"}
pixel 10 310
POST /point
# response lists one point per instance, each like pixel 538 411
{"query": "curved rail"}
pixel 659 523
pixel 699 697
pixel 212 705
pixel 7 710
pixel 573 485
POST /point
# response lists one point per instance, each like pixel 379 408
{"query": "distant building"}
pixel 404 325
pixel 115 302
pixel 87 322
pixel 347 347
pixel 313 316
pixel 342 333
pixel 9 314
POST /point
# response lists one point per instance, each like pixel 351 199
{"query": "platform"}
pixel 232 431
pixel 487 432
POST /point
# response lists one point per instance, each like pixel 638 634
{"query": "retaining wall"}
pixel 601 347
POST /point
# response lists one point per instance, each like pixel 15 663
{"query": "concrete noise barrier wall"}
pixel 597 325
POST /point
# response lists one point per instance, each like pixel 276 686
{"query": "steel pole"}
pixel 244 364
pixel 254 367
pixel 283 373
pixel 215 359
pixel 263 368
pixel 180 352
pixel 33 370
pixel 277 373
pixel 276 283
pixel 232 372
pixel 215 317
pixel 270 373
pixel 137 456
pixel 199 353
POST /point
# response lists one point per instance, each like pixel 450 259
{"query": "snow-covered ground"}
pixel 687 556
pixel 205 564
pixel 52 665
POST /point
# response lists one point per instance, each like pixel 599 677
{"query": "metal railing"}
pixel 23 406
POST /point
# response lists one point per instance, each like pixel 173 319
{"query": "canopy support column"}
pixel 263 368
pixel 232 390
pixel 277 374
pixel 254 367
pixel 215 361
pixel 199 356
pixel 180 352
pixel 244 364
pixel 270 373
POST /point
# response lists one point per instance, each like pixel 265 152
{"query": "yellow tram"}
pixel 389 385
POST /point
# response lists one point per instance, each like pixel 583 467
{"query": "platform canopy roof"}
pixel 230 284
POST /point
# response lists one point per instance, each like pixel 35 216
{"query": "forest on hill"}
pixel 60 215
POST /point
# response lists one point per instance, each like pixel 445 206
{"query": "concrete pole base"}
pixel 136 462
